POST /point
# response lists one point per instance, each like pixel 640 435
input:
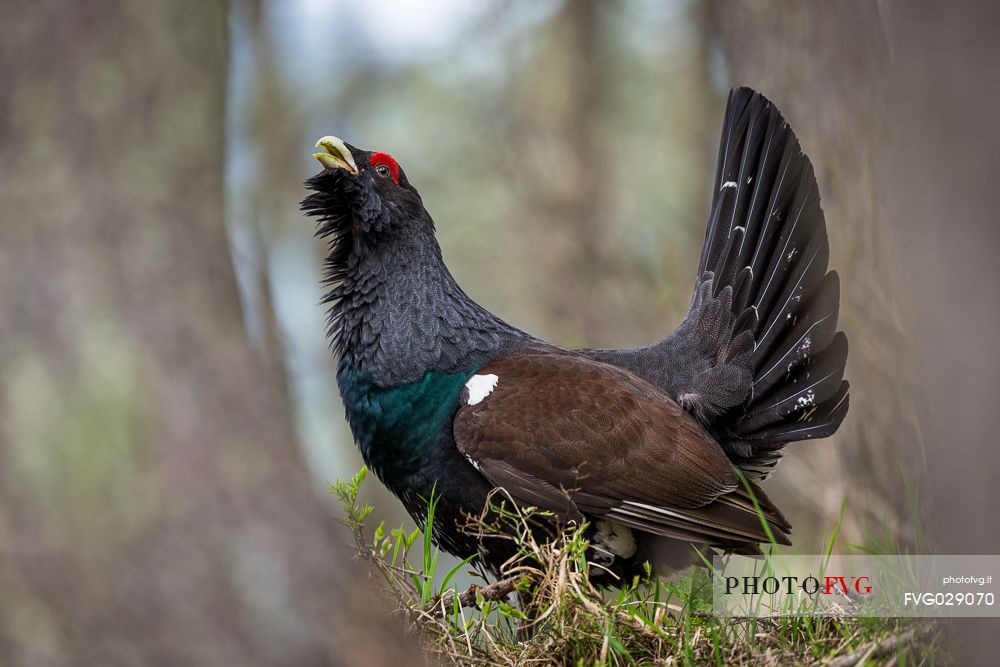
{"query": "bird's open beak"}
pixel 335 155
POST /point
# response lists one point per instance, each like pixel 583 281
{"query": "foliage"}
pixel 564 618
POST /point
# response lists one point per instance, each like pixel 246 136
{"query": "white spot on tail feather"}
pixel 803 350
pixel 728 184
pixel 481 386
pixel 807 400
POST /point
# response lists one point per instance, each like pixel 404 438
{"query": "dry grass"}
pixel 563 618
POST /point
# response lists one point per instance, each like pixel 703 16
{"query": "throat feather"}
pixel 398 313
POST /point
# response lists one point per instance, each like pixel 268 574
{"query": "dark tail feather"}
pixel 767 238
pixel 758 359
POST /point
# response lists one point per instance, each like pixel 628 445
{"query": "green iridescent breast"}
pixel 394 426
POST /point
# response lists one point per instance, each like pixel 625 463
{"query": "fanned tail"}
pixel 758 359
pixel 767 241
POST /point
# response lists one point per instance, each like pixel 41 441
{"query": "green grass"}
pixel 546 610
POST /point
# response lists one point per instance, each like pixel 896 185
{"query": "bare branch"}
pixel 498 590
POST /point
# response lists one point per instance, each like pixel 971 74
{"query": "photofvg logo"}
pixel 792 586
pixel 811 585
pixel 868 585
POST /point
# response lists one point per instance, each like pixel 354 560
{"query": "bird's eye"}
pixel 385 166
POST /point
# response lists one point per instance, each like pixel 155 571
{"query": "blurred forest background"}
pixel 168 412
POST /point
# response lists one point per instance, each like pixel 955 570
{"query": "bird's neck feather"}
pixel 397 312
pixel 408 338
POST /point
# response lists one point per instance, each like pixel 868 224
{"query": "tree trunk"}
pixel 153 505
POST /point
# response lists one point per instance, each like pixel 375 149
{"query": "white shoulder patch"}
pixel 481 386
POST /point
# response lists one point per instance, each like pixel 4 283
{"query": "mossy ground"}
pixel 546 610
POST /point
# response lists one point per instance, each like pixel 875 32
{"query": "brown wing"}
pixel 575 436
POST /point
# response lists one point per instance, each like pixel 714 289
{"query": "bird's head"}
pixel 361 195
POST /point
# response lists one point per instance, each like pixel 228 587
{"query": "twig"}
pixel 881 649
pixel 621 618
pixel 498 590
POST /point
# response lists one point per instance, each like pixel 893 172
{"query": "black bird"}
pixel 646 444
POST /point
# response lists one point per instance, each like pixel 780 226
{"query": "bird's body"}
pixel 443 396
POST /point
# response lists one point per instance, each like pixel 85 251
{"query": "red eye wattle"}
pixel 386 160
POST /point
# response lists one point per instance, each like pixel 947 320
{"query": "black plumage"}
pixel 647 443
